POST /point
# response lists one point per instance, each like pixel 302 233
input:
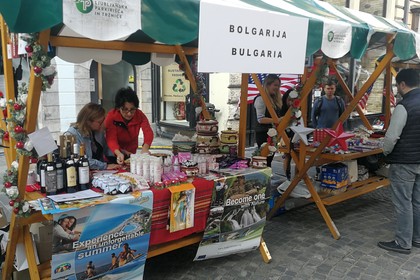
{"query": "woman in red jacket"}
pixel 123 124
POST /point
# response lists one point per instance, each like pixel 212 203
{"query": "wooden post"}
pixel 243 116
pixel 10 153
pixel 191 78
pixel 17 230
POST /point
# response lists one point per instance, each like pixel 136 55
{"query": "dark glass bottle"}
pixel 71 175
pixel 83 169
pixel 50 176
pixel 42 168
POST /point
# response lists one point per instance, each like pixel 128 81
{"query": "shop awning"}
pixel 336 31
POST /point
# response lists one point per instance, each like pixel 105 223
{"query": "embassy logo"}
pixel 330 36
pixel 84 6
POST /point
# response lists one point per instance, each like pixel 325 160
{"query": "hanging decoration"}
pixel 301 133
pixel 40 61
pixel 20 207
pixel 15 129
pixel 271 145
pixel 294 100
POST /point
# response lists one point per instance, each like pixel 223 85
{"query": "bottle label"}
pixel 71 177
pixel 60 179
pixel 83 175
pixel 42 178
pixel 51 181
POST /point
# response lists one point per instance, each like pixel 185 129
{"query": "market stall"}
pixel 160 21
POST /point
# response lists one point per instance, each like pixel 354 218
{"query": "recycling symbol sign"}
pixel 179 86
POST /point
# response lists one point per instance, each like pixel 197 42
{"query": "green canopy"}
pixel 336 31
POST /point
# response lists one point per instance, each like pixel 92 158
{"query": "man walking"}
pixel 402 151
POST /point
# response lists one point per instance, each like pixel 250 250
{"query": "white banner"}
pixel 104 20
pixel 242 40
pixel 336 40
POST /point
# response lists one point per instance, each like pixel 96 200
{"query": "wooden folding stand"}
pixel 305 158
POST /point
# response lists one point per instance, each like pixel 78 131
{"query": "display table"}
pixel 321 200
pixel 161 239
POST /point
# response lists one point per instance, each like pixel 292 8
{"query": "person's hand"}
pixel 113 166
pixel 145 151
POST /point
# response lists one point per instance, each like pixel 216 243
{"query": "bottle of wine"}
pixel 71 175
pixel 42 169
pixel 76 152
pixel 83 169
pixel 60 161
pixel 50 176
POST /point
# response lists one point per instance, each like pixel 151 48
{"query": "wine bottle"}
pixel 83 169
pixel 60 161
pixel 71 175
pixel 42 168
pixel 50 176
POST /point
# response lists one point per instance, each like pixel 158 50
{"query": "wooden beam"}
pixel 191 78
pixel 243 115
pixel 59 41
pixel 347 91
pixel 10 153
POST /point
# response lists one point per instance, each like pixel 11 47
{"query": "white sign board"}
pixel 104 20
pixel 248 40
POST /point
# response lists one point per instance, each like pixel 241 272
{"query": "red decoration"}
pixel 11 203
pixel 296 103
pixel 20 145
pixel 6 136
pixel 5 113
pixel 17 106
pixel 37 70
pixel 18 129
pixel 16 210
pixel 7 185
pixel 1 94
pixel 29 49
pixel 338 136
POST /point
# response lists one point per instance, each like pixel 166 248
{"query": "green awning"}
pixel 177 23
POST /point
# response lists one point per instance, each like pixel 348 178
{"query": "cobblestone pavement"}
pixel 302 247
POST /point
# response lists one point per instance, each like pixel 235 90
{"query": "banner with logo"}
pixel 107 239
pixel 237 214
pixel 336 39
pixel 104 20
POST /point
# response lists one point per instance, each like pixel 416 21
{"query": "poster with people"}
pixel 237 214
pixel 106 239
pixel 182 207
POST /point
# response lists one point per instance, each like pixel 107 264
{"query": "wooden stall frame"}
pixel 305 160
pixel 19 227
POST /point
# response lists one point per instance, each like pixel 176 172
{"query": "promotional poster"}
pixel 109 240
pixel 237 214
pixel 182 207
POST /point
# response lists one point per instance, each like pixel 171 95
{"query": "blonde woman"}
pixel 263 120
pixel 89 130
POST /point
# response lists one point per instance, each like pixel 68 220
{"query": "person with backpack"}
pixel 328 108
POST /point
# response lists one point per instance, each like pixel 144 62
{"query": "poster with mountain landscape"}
pixel 237 214
pixel 107 241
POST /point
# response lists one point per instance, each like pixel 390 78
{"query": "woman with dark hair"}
pixel 123 124
pixel 88 130
pixel 263 121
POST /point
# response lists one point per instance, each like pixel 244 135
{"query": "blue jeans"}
pixel 405 189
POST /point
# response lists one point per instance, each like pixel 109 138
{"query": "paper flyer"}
pixel 237 214
pixel 182 207
pixel 109 239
